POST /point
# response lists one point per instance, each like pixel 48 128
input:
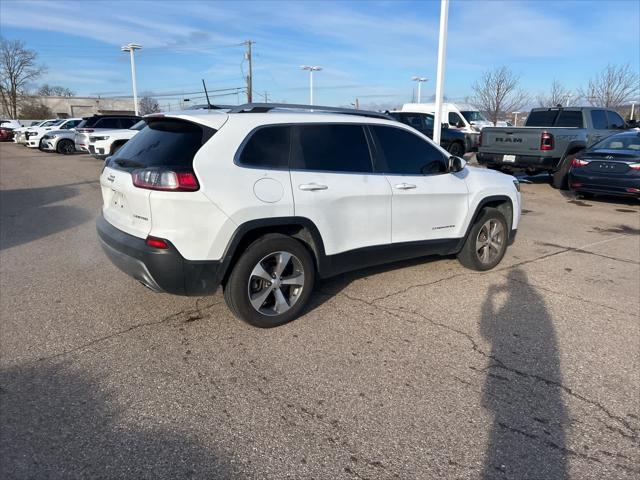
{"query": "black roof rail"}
pixel 210 106
pixel 266 107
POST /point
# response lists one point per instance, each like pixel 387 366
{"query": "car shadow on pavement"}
pixel 27 214
pixel 527 438
pixel 59 422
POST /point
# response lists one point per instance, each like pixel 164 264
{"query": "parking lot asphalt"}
pixel 419 370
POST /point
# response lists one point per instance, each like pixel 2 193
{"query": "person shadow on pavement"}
pixel 58 422
pixel 527 438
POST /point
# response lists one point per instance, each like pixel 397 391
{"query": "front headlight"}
pixel 97 139
pixel 516 184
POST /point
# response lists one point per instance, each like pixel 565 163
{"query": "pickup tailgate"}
pixel 511 140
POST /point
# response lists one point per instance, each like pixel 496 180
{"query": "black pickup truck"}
pixel 549 140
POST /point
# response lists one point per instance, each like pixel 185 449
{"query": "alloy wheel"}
pixel 276 283
pixel 490 241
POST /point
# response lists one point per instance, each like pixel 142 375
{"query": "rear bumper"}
pixel 162 270
pixel 606 185
pixel 521 161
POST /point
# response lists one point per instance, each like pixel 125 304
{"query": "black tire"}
pixel 65 146
pixel 456 149
pixel 560 177
pixel 470 256
pixel 241 282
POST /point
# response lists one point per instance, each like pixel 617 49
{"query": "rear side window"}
pixel 599 119
pixel 108 123
pixel 127 122
pixel 542 118
pixel 331 147
pixel 268 147
pixel 570 118
pixel 407 154
pixel 615 121
pixel 162 143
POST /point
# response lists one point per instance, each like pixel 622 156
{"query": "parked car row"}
pixel 99 135
pixel 563 141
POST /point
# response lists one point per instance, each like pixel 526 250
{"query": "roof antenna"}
pixel 206 93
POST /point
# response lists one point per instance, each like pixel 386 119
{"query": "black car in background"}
pixel 609 167
pixel 451 139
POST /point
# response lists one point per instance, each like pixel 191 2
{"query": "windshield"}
pixel 626 141
pixel 473 116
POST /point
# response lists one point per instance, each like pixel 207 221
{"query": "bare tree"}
pixel 149 105
pixel 498 91
pixel 33 109
pixel 47 90
pixel 612 87
pixel 558 95
pixel 17 67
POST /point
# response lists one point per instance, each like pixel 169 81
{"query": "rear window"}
pixel 333 148
pixel 268 147
pixel 162 143
pixel 570 118
pixel 542 118
pixel 626 141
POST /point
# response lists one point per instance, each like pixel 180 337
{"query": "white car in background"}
pixel 19 134
pixel 61 141
pixel 34 134
pixel 105 143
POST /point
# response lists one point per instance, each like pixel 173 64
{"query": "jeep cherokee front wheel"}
pixel 271 282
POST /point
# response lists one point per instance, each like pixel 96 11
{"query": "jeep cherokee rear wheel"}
pixel 271 282
pixel 486 243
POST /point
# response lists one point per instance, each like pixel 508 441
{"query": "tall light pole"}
pixel 311 69
pixel 633 108
pixel 420 80
pixel 442 49
pixel 132 47
pixel 515 118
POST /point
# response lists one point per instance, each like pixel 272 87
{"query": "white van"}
pixel 457 115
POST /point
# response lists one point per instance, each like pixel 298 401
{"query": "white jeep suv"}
pixel 106 143
pixel 34 135
pixel 264 198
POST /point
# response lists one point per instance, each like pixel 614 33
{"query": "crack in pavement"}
pixel 186 311
pixel 587 252
pixel 501 364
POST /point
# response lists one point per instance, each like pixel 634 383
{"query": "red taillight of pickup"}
pixel 165 180
pixel 546 141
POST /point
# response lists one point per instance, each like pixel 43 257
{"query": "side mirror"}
pixel 460 124
pixel 456 164
pixel 445 125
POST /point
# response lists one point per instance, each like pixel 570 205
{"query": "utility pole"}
pixel 248 43
pixel 442 52
pixel 357 104
pixel 266 97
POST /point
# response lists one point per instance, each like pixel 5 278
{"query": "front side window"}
pixel 404 153
pixel 615 121
pixel 473 116
pixel 599 119
pixel 268 147
pixel 454 119
pixel 331 147
pixel 127 122
pixel 428 122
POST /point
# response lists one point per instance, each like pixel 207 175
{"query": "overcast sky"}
pixel 367 49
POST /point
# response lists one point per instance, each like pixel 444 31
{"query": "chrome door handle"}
pixel 310 187
pixel 404 186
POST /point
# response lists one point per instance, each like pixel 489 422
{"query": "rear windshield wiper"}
pixel 123 162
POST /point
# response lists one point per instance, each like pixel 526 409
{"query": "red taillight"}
pixel 576 185
pixel 165 180
pixel 577 163
pixel 156 242
pixel 633 190
pixel 546 141
pixel 634 166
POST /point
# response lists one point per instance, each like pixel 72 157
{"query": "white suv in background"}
pixel 262 198
pixel 92 126
pixel 108 142
pixel 34 134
